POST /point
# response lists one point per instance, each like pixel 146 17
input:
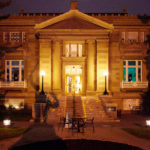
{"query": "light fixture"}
pixel 42 73
pixel 148 123
pixel 7 122
pixel 42 91
pixel 105 74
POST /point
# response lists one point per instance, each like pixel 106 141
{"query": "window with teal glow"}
pixel 132 71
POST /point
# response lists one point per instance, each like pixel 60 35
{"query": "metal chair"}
pixel 90 121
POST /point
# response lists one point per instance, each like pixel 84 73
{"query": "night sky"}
pixel 59 6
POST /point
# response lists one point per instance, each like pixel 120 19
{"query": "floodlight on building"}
pixel 7 122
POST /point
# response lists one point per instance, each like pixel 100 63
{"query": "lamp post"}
pixel 42 91
pixel 105 92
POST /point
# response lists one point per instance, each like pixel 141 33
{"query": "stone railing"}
pixel 134 84
pixel 13 84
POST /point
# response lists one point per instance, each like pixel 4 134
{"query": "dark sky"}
pixel 48 6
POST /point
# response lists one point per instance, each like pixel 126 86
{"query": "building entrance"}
pixel 73 79
pixel 73 84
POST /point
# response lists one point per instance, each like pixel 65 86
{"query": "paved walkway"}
pixel 103 131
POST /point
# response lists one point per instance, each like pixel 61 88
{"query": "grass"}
pixel 139 132
pixel 11 132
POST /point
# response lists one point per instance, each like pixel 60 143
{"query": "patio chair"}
pixel 90 121
pixel 62 122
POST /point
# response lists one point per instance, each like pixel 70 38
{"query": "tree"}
pixel 5 4
pixel 146 95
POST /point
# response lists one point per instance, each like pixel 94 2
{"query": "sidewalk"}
pixel 103 131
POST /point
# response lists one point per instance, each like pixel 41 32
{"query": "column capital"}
pixel 45 41
pixel 102 40
pixel 91 41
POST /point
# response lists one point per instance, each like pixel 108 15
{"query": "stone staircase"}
pixel 93 107
pixel 74 106
pixel 87 107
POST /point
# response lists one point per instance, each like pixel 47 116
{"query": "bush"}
pixel 16 115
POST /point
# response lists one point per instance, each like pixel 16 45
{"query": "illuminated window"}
pixel 132 70
pixel 73 69
pixel 131 104
pixel 14 103
pixel 73 50
pixel 14 70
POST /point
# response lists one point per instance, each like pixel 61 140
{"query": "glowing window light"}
pixel 148 123
pixel 7 122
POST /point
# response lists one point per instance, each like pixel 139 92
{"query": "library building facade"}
pixel 90 55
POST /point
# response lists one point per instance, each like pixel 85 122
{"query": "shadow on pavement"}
pixel 43 137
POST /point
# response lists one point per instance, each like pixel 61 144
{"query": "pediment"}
pixel 73 23
pixel 74 19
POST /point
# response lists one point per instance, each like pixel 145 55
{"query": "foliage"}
pixel 146 95
pixel 11 132
pixel 5 4
pixel 139 132
pixel 16 115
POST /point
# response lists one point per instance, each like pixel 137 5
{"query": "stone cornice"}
pixel 74 13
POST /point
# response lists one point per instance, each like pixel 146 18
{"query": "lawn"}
pixel 11 132
pixel 139 132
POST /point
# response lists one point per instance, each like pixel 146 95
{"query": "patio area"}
pixel 111 131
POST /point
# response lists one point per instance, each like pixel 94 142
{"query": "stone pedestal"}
pixel 37 112
pixel 39 107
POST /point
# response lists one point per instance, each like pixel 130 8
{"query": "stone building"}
pixel 77 52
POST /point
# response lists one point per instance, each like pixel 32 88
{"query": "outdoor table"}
pixel 78 123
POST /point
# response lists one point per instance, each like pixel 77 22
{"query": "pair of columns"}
pixel 50 62
pixel 97 64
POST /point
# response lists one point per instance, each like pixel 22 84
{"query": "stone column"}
pixel 45 64
pixel 56 69
pixel 102 64
pixel 90 66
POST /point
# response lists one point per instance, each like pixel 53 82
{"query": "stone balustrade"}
pixel 134 84
pixel 13 84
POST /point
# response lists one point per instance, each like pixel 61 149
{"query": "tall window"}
pixel 132 70
pixel 14 70
pixel 73 50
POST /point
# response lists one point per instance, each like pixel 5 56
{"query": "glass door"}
pixel 73 84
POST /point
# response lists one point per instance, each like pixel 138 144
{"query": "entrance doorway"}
pixel 73 79
pixel 73 84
